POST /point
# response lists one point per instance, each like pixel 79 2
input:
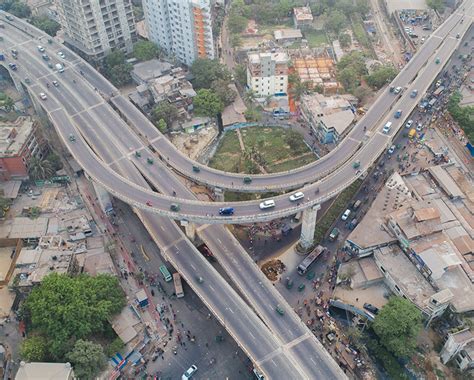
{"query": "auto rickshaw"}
pixel 199 279
pixel 196 169
pixel 310 275
pixel 174 207
pixel 72 137
pixel 149 160
pixel 279 310
pixel 247 180
pixel 138 154
pixel 219 338
pixel 356 164
pixel 289 283
pixel 301 287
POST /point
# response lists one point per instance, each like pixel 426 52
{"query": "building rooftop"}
pixel 340 121
pixel 303 14
pixel 145 71
pixel 405 274
pixel 26 228
pixel 278 57
pixel 283 34
pixel 44 371
pixel 13 136
pixel 445 181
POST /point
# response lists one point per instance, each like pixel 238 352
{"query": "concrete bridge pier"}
pixel 307 227
pixel 218 194
pixel 189 229
pixel 103 198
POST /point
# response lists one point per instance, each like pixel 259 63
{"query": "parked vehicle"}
pixel 334 234
pixel 371 308
pixel 310 259
pixel 346 214
pixel 189 372
pixel 59 67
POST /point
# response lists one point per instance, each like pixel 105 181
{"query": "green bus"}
pixel 165 272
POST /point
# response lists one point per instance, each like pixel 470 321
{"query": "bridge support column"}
pixel 218 194
pixel 189 229
pixel 103 198
pixel 308 226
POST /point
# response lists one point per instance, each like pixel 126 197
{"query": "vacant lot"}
pixel 265 150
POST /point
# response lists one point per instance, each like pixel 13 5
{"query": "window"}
pixel 382 269
pixel 397 288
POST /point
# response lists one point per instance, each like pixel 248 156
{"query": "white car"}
pixel 397 90
pixel 296 196
pixel 267 204
pixel 409 124
pixel 419 127
pixel 346 214
pixel 392 149
pixel 61 54
pixel 189 373
pixel 43 96
pixel 387 127
pixel 41 48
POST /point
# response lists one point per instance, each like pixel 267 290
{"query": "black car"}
pixel 371 308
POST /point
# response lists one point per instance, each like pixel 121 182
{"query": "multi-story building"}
pixel 18 143
pixel 267 74
pixel 94 27
pixel 183 28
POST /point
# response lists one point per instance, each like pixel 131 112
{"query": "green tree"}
pixel 252 114
pixel 206 71
pixel 240 74
pixel 462 115
pixel 55 161
pixel 21 10
pixel 145 50
pixel 114 58
pixel 6 102
pixel 5 202
pixel 34 349
pixel 46 24
pixel 345 40
pixel 336 21
pixel 236 23
pixel 250 96
pixel 65 308
pixel 437 5
pixel 207 103
pixel 161 125
pixel 397 325
pixel 235 40
pixel 87 358
pixel 165 111
pixel 120 74
pixel 39 169
pixel 223 91
pixel 115 346
pixel 381 76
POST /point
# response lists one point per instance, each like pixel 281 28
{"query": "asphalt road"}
pixel 84 96
pixel 105 144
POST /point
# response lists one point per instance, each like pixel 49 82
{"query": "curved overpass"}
pixel 441 44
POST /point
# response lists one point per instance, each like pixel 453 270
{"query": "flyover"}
pixel 443 42
pixel 172 248
pixel 70 102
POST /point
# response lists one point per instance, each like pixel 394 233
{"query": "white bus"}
pixel 178 286
pixel 308 260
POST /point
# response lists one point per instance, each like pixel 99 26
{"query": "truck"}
pixel 59 67
pixel 334 234
pixel 310 259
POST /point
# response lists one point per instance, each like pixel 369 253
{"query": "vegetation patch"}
pixel 338 206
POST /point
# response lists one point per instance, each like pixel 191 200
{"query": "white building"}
pixel 267 74
pixel 183 28
pixel 93 28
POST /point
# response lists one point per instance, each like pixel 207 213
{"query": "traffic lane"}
pixel 233 313
pixel 252 283
pixel 117 128
pixel 311 359
pixel 95 78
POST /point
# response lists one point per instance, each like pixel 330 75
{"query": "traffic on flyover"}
pixel 438 48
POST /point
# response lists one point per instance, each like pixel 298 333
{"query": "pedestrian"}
pixel 207 345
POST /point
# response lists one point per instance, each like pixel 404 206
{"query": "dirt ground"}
pixel 193 144
pixel 272 269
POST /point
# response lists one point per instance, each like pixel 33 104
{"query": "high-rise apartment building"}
pixel 183 28
pixel 267 73
pixel 94 27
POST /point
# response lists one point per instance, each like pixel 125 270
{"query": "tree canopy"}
pixel 437 5
pixel 16 7
pixel 46 25
pixel 165 111
pixel 145 50
pixel 207 103
pixel 34 349
pixel 222 90
pixel 350 70
pixel 335 21
pixel 116 69
pixel 87 358
pixel 381 76
pixel 206 71
pixel 464 116
pixel 64 308
pixel 397 325
pixel 39 169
